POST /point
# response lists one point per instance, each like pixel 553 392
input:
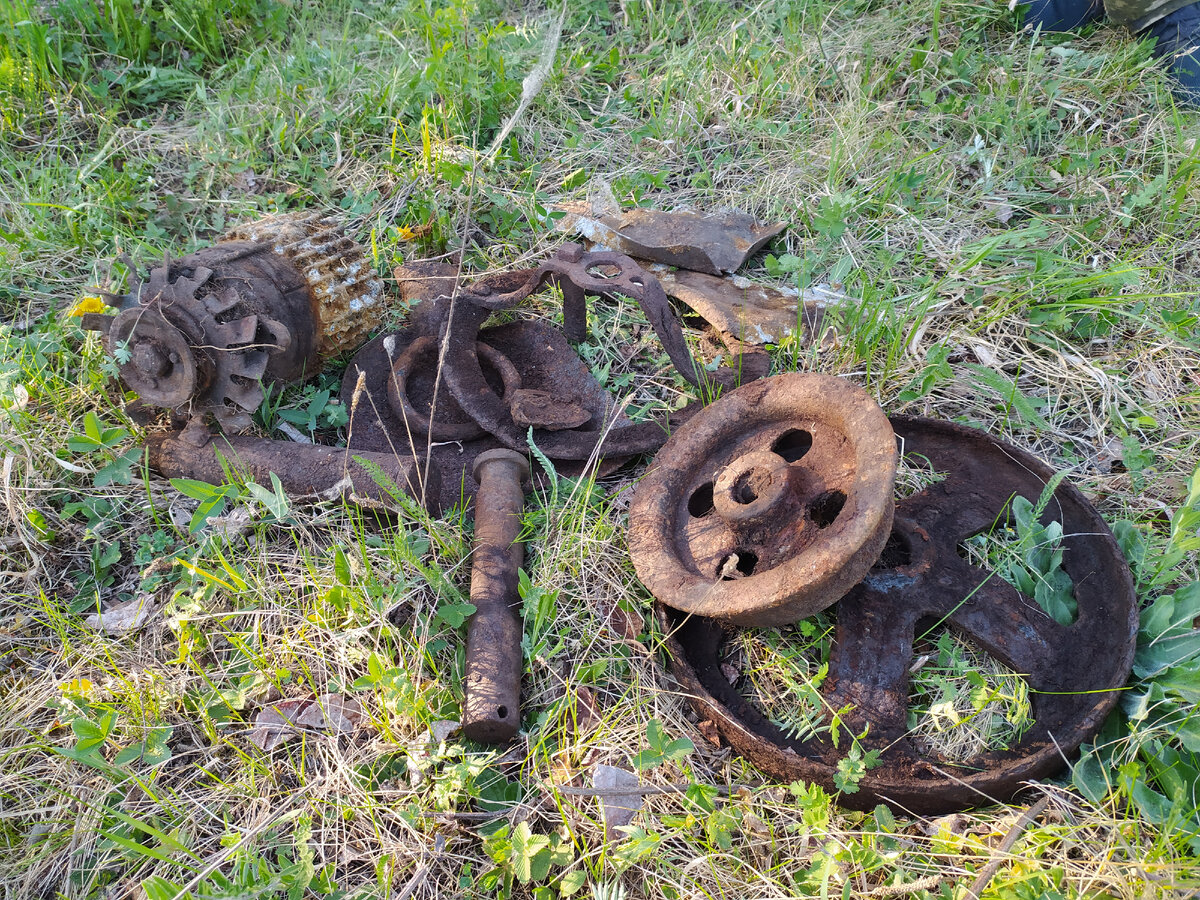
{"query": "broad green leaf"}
pixel 341 566
pixel 132 753
pixel 197 490
pixel 1184 681
pixel 572 882
pixel 454 614
pixel 1156 618
pixel 207 509
pixel 275 501
pixel 119 471
pixel 678 749
pixel 529 855
pixel 1091 778
pixel 1166 653
pixel 646 759
pixel 1153 806
pixel 92 428
pixel 655 734
pixel 87 734
pixel 1131 542
pixel 157 752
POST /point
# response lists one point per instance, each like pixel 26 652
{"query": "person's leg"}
pixel 1062 15
pixel 1178 36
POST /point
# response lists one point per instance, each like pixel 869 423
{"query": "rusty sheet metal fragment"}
pixel 769 504
pixel 425 279
pixel 580 274
pixel 304 470
pixel 713 243
pixel 747 311
pixel 1074 672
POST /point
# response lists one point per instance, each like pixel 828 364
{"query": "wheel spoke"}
pixel 710 542
pixel 1007 624
pixel 868 664
pixel 829 463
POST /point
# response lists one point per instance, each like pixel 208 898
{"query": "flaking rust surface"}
pixel 751 312
pixel 713 243
pixel 348 299
pixel 1075 671
pixel 730 482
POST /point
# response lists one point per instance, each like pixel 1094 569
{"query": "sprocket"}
pixel 270 303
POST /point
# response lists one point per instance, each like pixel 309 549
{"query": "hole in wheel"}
pixel 1027 555
pixel 780 671
pixel 962 701
pixel 502 712
pixel 701 501
pixel 896 553
pixel 915 473
pixel 604 270
pixel 792 444
pixel 745 489
pixel 741 562
pixel 826 508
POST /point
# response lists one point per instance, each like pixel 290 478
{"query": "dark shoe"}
pixel 1178 36
pixel 1062 15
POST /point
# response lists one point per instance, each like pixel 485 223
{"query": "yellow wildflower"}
pixel 89 304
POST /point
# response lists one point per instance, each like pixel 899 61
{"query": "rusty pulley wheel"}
pixel 1074 672
pixel 768 505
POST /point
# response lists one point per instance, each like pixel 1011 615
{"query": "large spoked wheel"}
pixel 1074 672
pixel 769 504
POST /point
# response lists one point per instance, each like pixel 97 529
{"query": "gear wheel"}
pixel 270 303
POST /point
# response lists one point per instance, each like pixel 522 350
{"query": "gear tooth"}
pixel 154 285
pixel 250 364
pixel 247 396
pixel 236 333
pixel 186 287
pixel 222 301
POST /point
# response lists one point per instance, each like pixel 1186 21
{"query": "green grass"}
pixel 1015 219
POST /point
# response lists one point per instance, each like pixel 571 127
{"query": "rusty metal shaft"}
pixel 304 469
pixel 492 705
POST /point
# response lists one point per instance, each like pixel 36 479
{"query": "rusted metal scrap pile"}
pixel 770 504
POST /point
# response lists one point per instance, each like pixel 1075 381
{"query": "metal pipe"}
pixel 304 469
pixel 492 702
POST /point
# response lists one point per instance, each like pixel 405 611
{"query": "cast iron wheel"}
pixel 769 504
pixel 1074 672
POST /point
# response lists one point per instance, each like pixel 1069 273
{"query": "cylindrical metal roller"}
pixel 304 470
pixel 492 706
